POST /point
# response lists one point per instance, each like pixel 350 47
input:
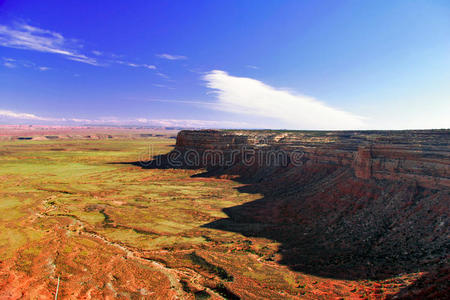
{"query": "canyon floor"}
pixel 75 211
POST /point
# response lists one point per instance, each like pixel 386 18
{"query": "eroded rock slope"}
pixel 349 204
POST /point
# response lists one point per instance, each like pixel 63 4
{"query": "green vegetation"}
pixel 55 182
pixel 78 208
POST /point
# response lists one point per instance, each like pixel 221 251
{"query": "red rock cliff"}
pixel 422 157
pixel 354 203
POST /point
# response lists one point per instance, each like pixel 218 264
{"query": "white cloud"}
pixel 19 117
pixel 84 59
pixel 134 65
pixel 252 97
pixel 191 123
pixel 24 116
pixel 13 63
pixel 161 85
pixel 194 102
pixel 252 67
pixel 162 75
pixel 9 65
pixel 23 36
pixel 26 37
pixel 171 56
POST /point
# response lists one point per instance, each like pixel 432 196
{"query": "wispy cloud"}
pixel 252 97
pixel 252 67
pixel 194 102
pixel 27 37
pixel 14 63
pixel 9 65
pixel 159 85
pixel 191 123
pixel 134 65
pixel 16 117
pixel 163 86
pixel 23 116
pixel 162 75
pixel 171 56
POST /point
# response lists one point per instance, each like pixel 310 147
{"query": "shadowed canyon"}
pixel 347 205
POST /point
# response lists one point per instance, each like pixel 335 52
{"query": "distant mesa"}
pixel 42 133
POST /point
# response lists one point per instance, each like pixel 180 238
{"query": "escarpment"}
pixel 350 204
pixel 421 157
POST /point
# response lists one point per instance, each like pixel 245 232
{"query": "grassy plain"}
pixel 75 209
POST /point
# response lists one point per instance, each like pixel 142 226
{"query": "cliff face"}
pixel 421 157
pixel 347 204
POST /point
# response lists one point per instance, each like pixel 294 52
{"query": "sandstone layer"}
pixel 418 156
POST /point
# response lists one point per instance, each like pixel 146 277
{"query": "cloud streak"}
pixel 249 96
pixel 15 117
pixel 23 116
pixel 191 123
pixel 171 56
pixel 134 65
pixel 162 75
pixel 26 37
pixel 15 63
pixel 9 64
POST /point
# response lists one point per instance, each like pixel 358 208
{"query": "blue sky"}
pixel 229 64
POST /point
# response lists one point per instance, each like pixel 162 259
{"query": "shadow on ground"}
pixel 317 226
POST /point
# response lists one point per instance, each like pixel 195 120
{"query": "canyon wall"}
pixel 421 157
pixel 348 204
